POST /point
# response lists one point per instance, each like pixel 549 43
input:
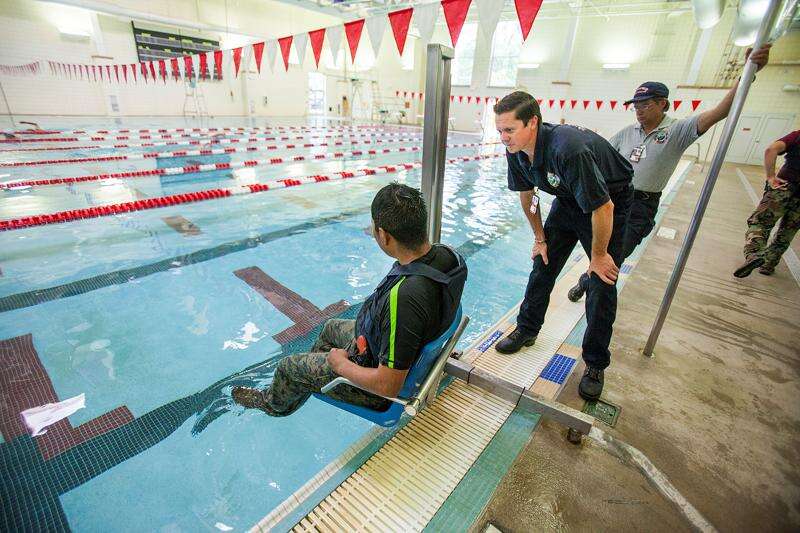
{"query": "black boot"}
pixel 591 385
pixel 514 341
pixel 577 292
pixel 750 264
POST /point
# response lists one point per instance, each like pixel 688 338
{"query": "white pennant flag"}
pixel 272 49
pixel 376 26
pixel 489 12
pixel 334 37
pixel 425 19
pixel 182 68
pixel 300 42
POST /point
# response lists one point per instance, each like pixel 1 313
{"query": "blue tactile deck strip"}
pixel 558 368
pixel 485 345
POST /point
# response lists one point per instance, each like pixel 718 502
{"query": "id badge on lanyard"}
pixel 638 153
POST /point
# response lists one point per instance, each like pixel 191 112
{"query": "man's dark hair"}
pixel 522 104
pixel 400 210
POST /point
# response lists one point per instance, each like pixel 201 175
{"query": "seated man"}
pixel 414 304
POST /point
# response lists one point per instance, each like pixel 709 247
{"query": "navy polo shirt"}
pixel 573 162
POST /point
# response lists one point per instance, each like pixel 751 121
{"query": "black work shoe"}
pixel 591 385
pixel 248 397
pixel 748 266
pixel 767 270
pixel 577 292
pixel 514 341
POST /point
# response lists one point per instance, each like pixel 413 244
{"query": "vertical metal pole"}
pixel 434 134
pixel 716 164
pixel 8 106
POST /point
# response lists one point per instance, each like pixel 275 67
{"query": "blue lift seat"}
pixel 425 371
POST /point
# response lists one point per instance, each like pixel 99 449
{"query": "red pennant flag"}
pixel 162 69
pixel 188 68
pixel 626 105
pixel 218 64
pixel 286 47
pixel 469 99
pixel 94 72
pixel 203 65
pixel 550 103
pixel 397 94
pixel 413 94
pixel 317 37
pixel 152 71
pixel 455 12
pixel 108 73
pixel 237 59
pixel 676 104
pixel 613 104
pixel 598 103
pixel 125 72
pixel 400 21
pixel 460 98
pixel 258 51
pixel 133 72
pixel 176 73
pixel 452 97
pixel 116 72
pixel 477 99
pixel 572 103
pixel 585 104
pixel 526 13
pixel 352 31
pixel 420 96
pixel 561 103
pixel 695 104
pixel 405 94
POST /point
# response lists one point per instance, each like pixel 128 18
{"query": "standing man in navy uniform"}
pixel 592 185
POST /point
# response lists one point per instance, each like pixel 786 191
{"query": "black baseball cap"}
pixel 649 89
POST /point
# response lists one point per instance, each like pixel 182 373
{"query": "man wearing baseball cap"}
pixel 654 146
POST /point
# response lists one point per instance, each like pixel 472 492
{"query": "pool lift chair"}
pixel 421 385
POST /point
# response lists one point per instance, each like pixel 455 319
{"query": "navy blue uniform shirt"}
pixel 573 162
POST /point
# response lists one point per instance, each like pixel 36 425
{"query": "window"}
pixel 461 67
pixel 316 93
pixel 506 46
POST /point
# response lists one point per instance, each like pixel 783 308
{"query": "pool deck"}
pixel 716 410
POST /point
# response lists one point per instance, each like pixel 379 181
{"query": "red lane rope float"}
pixel 210 194
pixel 191 169
pixel 358 133
pixel 365 127
pixel 207 151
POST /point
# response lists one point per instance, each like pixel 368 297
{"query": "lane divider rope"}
pixel 226 129
pixel 211 194
pixel 192 169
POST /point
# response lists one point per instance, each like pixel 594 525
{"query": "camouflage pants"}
pixel 299 375
pixel 783 204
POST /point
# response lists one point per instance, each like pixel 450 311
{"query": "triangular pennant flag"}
pixel 286 47
pixel 376 26
pixel 100 68
pixel 153 71
pixel 176 72
pixel 626 105
pixel 613 104
pixel 125 72
pixel 676 104
pixel 334 34
pixel 181 67
pixel 400 21
pixel 598 103
pixel 420 96
pixel 258 51
pixel 300 43
pixel 405 94
pixel 455 13
pixel 352 30
pixel 397 94
pixel 317 37
pixel 477 99
pixel 489 12
pixel 188 67
pixel 469 99
pixel 460 98
pixel 425 20
pixel 413 94
pixel 133 72
pixel 572 103
pixel 116 72
pixel 550 102
pixel 539 101
pixel 695 104
pixel 237 60
pixel 94 73
pixel 108 73
pixel 561 103
pixel 526 12
pixel 272 51
pixel 218 64
pixel 162 69
pixel 585 104
pixel 452 97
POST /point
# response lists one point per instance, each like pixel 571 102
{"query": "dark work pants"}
pixel 641 220
pixel 566 225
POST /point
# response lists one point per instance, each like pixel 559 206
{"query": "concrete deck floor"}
pixel 717 410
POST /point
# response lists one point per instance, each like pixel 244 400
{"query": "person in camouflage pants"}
pixel 300 375
pixel 777 203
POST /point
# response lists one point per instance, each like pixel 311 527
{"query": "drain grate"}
pixel 605 412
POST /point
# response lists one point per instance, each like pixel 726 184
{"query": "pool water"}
pixel 155 325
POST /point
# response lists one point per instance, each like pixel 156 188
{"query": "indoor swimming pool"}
pixel 154 315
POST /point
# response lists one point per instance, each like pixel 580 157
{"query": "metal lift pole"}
pixel 434 134
pixel 716 164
